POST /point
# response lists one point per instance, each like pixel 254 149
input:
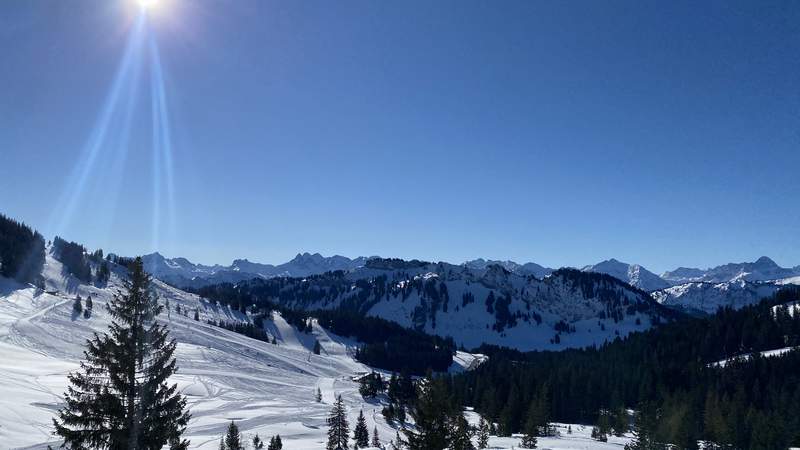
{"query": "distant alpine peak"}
pixel 633 274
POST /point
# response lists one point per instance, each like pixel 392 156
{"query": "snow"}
pixel 267 389
pixel 746 356
pixel 707 298
pixel 579 439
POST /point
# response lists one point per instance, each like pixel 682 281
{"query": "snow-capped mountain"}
pixel 707 298
pixel 521 269
pixel 763 269
pixel 633 274
pixel 183 273
pixel 568 308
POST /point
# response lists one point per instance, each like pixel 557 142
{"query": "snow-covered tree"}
pixel 318 396
pixel 119 398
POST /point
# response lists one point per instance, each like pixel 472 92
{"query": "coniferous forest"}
pixel 21 251
pixel 671 373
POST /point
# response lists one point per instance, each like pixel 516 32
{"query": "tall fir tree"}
pixel 119 398
pixel 483 434
pixel 361 432
pixel 376 442
pixel 233 440
pixel 258 444
pixel 460 434
pixel 275 443
pixel 644 429
pixel 338 428
pixel 431 413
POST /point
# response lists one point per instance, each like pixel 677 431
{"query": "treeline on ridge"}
pixel 384 344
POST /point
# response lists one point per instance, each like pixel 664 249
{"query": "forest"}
pixel 671 372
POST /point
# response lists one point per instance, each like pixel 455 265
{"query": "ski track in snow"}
pixel 267 389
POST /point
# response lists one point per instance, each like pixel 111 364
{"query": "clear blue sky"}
pixel 563 132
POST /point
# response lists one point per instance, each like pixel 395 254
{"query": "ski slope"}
pixel 267 389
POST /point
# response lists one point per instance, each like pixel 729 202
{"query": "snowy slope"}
pixel 633 274
pixel 267 389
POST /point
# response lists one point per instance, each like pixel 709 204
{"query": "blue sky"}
pixel 663 133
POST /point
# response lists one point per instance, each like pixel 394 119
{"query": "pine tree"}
pixel 460 434
pixel 431 414
pixel 89 304
pixel 376 442
pixel 338 428
pixel 258 444
pixel 360 432
pixel 233 440
pixel 119 398
pixel 318 397
pixel 275 443
pixel 483 434
pixel 77 306
pixel 644 429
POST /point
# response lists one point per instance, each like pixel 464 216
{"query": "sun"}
pixel 148 4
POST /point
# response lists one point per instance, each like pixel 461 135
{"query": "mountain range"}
pixel 183 273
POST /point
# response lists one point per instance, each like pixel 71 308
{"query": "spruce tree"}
pixel 275 443
pixel 77 306
pixel 258 444
pixel 483 433
pixel 376 442
pixel 233 440
pixel 338 428
pixel 360 432
pixel 460 434
pixel 431 414
pixel 644 429
pixel 119 398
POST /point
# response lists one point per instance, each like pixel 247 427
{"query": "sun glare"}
pixel 148 4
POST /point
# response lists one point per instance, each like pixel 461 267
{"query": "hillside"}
pixel 266 388
pixel 567 309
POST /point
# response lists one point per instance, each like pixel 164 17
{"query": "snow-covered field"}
pixel 267 389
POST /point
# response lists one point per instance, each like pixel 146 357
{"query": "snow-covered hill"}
pixel 183 273
pixel 633 274
pixel 266 388
pixel 568 308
